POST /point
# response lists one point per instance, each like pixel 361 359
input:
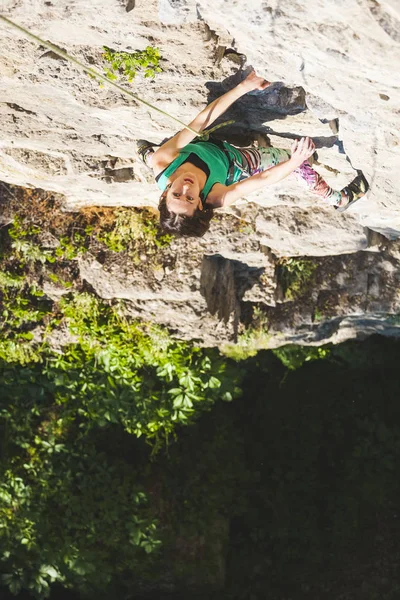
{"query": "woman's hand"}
pixel 254 82
pixel 301 150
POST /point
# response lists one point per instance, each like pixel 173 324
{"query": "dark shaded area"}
pixel 223 284
pixel 304 468
pixel 253 110
pixel 323 508
pixel 254 113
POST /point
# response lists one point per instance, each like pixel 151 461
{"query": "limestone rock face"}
pixel 240 290
pixel 335 67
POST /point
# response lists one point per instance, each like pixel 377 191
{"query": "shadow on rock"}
pixel 223 284
pixel 253 110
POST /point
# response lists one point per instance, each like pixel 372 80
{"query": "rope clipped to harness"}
pixel 205 135
pixel 100 76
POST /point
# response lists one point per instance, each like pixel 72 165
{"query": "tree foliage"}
pixel 67 510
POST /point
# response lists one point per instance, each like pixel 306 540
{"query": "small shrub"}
pixel 10 280
pixel 135 232
pixel 21 306
pixel 128 64
pixel 296 275
pixel 134 374
pixel 253 339
pixel 293 357
pixel 21 351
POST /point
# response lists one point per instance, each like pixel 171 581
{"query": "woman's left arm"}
pixel 222 195
pixel 168 151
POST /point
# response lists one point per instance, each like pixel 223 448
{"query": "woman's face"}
pixel 183 197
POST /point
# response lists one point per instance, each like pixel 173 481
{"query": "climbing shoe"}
pixel 144 150
pixel 354 191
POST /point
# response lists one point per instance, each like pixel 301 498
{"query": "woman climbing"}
pixel 198 176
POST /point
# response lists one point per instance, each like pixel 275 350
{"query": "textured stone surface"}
pixel 60 132
pixel 212 295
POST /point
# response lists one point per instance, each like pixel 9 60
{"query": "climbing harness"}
pixel 203 135
pixel 232 161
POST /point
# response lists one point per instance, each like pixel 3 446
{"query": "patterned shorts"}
pixel 261 159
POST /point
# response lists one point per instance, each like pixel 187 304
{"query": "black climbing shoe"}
pixel 354 191
pixel 144 150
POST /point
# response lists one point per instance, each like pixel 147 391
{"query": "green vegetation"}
pixel 70 512
pixel 296 276
pixel 126 454
pixel 250 341
pixel 109 355
pixel 128 64
pixel 136 232
pixel 132 374
pixel 74 497
pixel 318 315
pixel 66 508
pixel 293 357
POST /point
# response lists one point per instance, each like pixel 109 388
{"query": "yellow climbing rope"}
pixel 204 135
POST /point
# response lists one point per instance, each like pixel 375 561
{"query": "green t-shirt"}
pixel 216 160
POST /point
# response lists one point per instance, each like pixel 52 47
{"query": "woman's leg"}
pixel 314 182
pixel 317 184
pixel 264 158
pixel 260 159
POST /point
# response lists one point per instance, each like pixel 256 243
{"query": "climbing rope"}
pixel 206 134
pixel 203 135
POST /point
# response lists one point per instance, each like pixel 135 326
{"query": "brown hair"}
pixel 181 225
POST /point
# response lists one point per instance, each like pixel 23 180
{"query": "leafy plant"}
pixel 68 513
pixel 11 280
pixel 129 64
pixel 20 350
pixel 296 276
pixel 19 307
pixel 27 251
pixel 250 341
pixel 71 247
pixel 104 376
pixel 57 279
pixel 65 508
pixel 293 357
pixel 136 232
pixel 20 230
pixel 318 315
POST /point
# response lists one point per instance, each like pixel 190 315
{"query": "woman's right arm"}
pixel 170 150
pixel 224 195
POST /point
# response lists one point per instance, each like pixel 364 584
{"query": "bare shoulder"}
pixel 161 159
pixel 158 166
pixel 216 195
